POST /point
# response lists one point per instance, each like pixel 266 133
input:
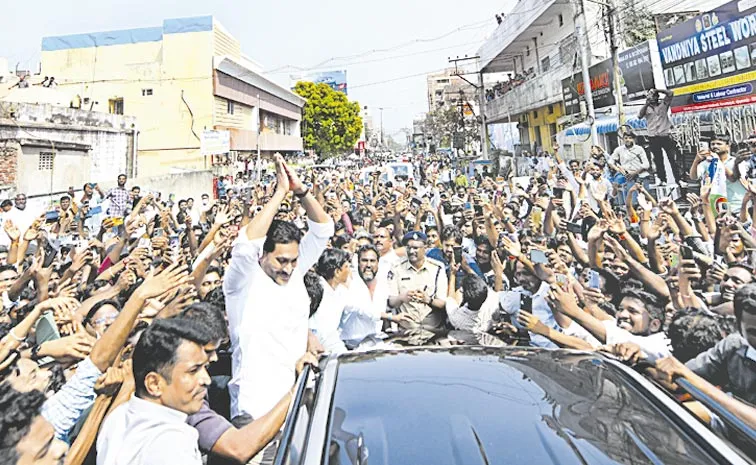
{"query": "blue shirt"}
pixel 64 408
pixel 510 303
pixel 438 255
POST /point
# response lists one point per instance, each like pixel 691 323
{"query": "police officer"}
pixel 418 285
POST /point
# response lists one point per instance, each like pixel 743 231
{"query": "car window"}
pixel 528 409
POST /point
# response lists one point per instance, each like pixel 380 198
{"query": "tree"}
pixel 638 23
pixel 331 123
pixel 444 122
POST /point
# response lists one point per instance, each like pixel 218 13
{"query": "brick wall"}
pixel 8 164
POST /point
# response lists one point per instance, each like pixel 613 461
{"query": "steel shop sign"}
pixel 637 77
pixel 710 60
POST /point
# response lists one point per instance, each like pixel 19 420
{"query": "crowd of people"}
pixel 140 329
pixel 502 87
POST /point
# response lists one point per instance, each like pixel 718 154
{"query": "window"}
pixel 230 107
pixel 545 64
pixel 551 109
pixel 535 114
pixel 561 20
pixel 146 92
pixel 115 106
pixel 45 161
pixel 552 130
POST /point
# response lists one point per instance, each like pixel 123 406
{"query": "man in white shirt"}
pixel 171 380
pixel 334 270
pixel 389 256
pixel 266 299
pixel 639 320
pixel 471 308
pixel 21 216
pixel 368 299
pixel 705 165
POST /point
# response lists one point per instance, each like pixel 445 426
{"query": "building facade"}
pixel 536 46
pixel 445 89
pixel 179 79
pixel 45 149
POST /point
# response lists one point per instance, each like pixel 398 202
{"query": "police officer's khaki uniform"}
pixel 430 278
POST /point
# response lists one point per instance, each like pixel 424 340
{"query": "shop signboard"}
pixel 710 60
pixel 637 77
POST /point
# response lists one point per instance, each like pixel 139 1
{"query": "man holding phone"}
pixel 529 296
pixel 705 166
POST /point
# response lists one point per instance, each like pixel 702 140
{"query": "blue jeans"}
pixel 645 182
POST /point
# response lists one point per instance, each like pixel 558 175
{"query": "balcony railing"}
pixel 542 89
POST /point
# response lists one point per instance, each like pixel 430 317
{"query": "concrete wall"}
pixel 190 184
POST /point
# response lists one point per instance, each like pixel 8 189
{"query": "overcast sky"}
pixel 299 33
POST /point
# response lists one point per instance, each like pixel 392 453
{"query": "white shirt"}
pixel 362 314
pixel 324 323
pixel 632 159
pixel 145 433
pixel 464 319
pixel 385 264
pixel 656 345
pixel 22 219
pixel 268 323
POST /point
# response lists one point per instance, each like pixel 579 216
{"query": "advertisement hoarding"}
pixel 710 60
pixel 637 77
pixel 337 80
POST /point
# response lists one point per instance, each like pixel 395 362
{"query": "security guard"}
pixel 418 285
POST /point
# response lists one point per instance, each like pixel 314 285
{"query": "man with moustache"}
pixel 171 380
pixel 418 286
pixel 267 301
pixel 368 296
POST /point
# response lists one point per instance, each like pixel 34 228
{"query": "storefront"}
pixel 640 71
pixel 710 63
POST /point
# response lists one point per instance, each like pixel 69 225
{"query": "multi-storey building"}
pixel 536 46
pixel 179 79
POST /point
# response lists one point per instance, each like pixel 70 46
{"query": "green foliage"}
pixel 443 123
pixel 638 23
pixel 331 123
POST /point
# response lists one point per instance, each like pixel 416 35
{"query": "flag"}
pixel 718 194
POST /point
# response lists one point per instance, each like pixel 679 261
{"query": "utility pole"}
pixel 259 134
pixel 382 146
pixel 481 101
pixel 614 41
pixel 581 30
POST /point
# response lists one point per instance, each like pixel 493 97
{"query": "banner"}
pixel 710 60
pixel 337 80
pixel 215 142
pixel 637 77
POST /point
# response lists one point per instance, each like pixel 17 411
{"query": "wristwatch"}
pixel 303 194
pixel 35 352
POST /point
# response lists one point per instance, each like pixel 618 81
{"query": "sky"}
pixel 387 47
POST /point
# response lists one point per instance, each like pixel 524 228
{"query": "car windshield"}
pixel 477 407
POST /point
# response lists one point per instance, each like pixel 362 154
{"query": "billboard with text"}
pixel 710 60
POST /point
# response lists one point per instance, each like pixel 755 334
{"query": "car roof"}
pixel 504 405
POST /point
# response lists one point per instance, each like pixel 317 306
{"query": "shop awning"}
pixel 604 125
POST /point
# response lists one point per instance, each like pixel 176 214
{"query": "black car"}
pixel 484 405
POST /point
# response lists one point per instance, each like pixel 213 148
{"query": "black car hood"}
pixel 475 405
